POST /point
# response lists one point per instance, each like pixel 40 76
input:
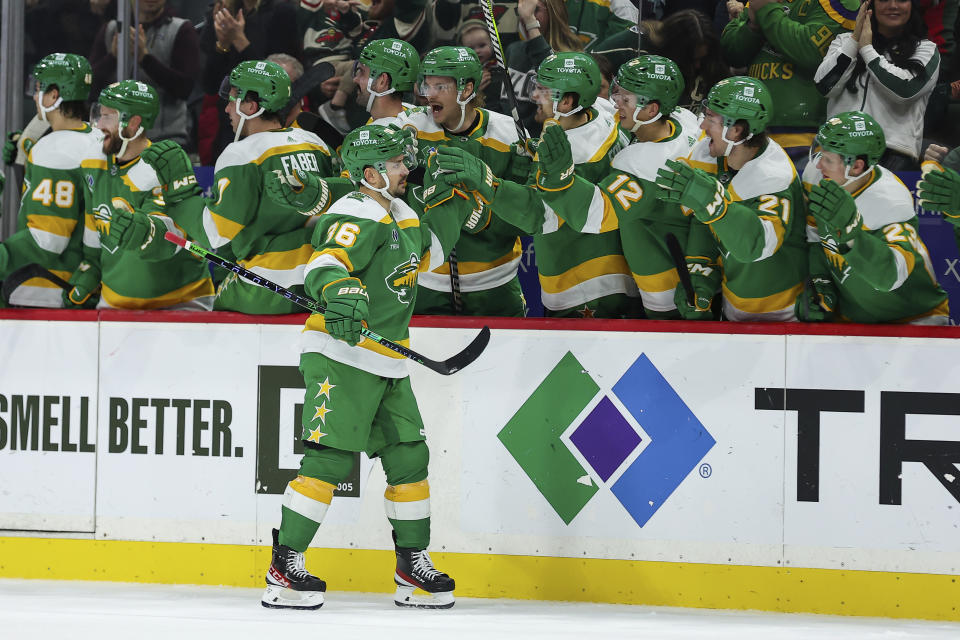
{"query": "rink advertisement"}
pixel 766 448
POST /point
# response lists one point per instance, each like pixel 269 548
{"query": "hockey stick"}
pixel 445 367
pixel 680 263
pixel 487 6
pixel 13 281
pixel 455 281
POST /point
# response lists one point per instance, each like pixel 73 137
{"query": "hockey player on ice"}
pixel 368 251
pixel 126 217
pixel 748 203
pixel 582 269
pixel 867 261
pixel 51 220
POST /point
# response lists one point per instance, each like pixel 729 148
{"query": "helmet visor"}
pixel 430 87
pixel 104 117
pixel 623 99
pixel 815 152
pixel 542 94
pixel 227 91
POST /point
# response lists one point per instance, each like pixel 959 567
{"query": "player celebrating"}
pixel 50 223
pixel 369 248
pixel 120 186
pixel 867 260
pixel 385 70
pixel 271 240
pixel 748 202
pixel 939 190
pixel 579 257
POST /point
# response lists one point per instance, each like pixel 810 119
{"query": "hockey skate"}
pixel 289 584
pixel 415 571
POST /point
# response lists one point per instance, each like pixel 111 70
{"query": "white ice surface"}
pixel 103 611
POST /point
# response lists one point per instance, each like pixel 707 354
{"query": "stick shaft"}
pixel 487 7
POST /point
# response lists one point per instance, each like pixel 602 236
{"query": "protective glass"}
pixel 429 88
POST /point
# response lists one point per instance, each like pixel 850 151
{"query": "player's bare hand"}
pixel 734 9
pixel 935 153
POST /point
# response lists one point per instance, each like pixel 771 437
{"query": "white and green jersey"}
pixel 50 222
pixel 625 198
pixel 153 277
pixel 761 238
pixel 387 251
pixel 239 222
pixel 885 275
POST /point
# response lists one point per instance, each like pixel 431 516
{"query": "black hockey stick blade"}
pixel 680 263
pixel 13 281
pixel 465 357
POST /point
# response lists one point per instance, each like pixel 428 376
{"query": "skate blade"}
pixel 275 597
pixel 419 599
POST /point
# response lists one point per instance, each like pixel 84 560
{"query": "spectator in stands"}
pixel 782 44
pixel 594 21
pixel 547 27
pixel 887 68
pixel 607 71
pixel 65 26
pixel 234 31
pixel 167 51
pixel 474 34
pixel 452 17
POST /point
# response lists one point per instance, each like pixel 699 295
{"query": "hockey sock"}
pixel 308 496
pixel 407 498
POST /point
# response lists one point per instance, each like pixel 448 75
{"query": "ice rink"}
pixel 79 610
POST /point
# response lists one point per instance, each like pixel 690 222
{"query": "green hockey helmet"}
pixel 71 73
pixel 395 57
pixel 741 98
pixel 459 63
pixel 570 72
pixel 652 79
pixel 268 79
pixel 853 134
pixel 373 145
pixel 132 98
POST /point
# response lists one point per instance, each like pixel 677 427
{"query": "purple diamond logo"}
pixel 605 438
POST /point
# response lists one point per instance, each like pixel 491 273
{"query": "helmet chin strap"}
pixel 557 114
pixel 243 118
pixel 373 95
pixel 637 123
pixel 849 178
pixel 463 108
pixel 38 98
pixel 731 143
pixel 126 141
pixel 385 190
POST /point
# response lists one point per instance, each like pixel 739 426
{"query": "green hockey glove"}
pixel 940 191
pixel 307 193
pixel 3 182
pixel 817 301
pixel 469 170
pixel 174 170
pixel 704 278
pixel 555 160
pixel 9 152
pixel 347 306
pixel 695 189
pixel 85 281
pixel 835 211
pixel 131 231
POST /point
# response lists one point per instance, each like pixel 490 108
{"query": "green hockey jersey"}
pixel 886 275
pixel 387 251
pixel 793 38
pixel 761 238
pixel 51 219
pixel 238 221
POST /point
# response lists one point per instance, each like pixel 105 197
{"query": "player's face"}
pixel 233 105
pixel 109 123
pixel 831 166
pixel 712 125
pixel 479 40
pixel 361 73
pixel 397 171
pixel 441 94
pixel 543 97
pixel 626 103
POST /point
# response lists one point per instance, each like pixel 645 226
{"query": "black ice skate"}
pixel 415 571
pixel 289 584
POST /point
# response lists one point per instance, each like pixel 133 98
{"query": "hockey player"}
pixel 484 281
pixel 748 202
pixel 385 70
pixel 120 185
pixel 867 261
pixel 939 190
pixel 368 250
pixel 50 223
pixel 579 258
pixel 271 240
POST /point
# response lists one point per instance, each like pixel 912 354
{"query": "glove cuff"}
pixel 345 286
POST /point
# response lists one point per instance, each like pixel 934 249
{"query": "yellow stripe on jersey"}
pixel 588 270
pixel 791 140
pixel 281 260
pixel 198 289
pixel 907 255
pixel 43 282
pixel 766 304
pixel 92 163
pixel 479 267
pixel 226 228
pixel 663 281
pixel 408 222
pixel 339 254
pixel 52 224
pixel 316 323
pixel 288 148
pixel 605 146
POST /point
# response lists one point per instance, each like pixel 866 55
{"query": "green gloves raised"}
pixel 835 212
pixel 131 231
pixel 84 282
pixel 940 191
pixel 555 160
pixel 817 301
pixel 468 170
pixel 704 277
pixel 305 192
pixel 174 170
pixel 9 151
pixel 347 308
pixel 695 189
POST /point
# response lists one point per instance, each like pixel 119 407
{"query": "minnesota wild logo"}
pixel 403 279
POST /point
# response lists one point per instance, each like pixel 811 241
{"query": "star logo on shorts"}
pixel 321 413
pixel 586 312
pixel 325 388
pixel 315 435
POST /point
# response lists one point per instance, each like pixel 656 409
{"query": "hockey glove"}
pixel 940 191
pixel 347 309
pixel 695 189
pixel 131 231
pixel 469 170
pixel 10 147
pixel 3 182
pixel 305 192
pixel 817 301
pixel 704 278
pixel 84 282
pixel 835 212
pixel 174 170
pixel 555 167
